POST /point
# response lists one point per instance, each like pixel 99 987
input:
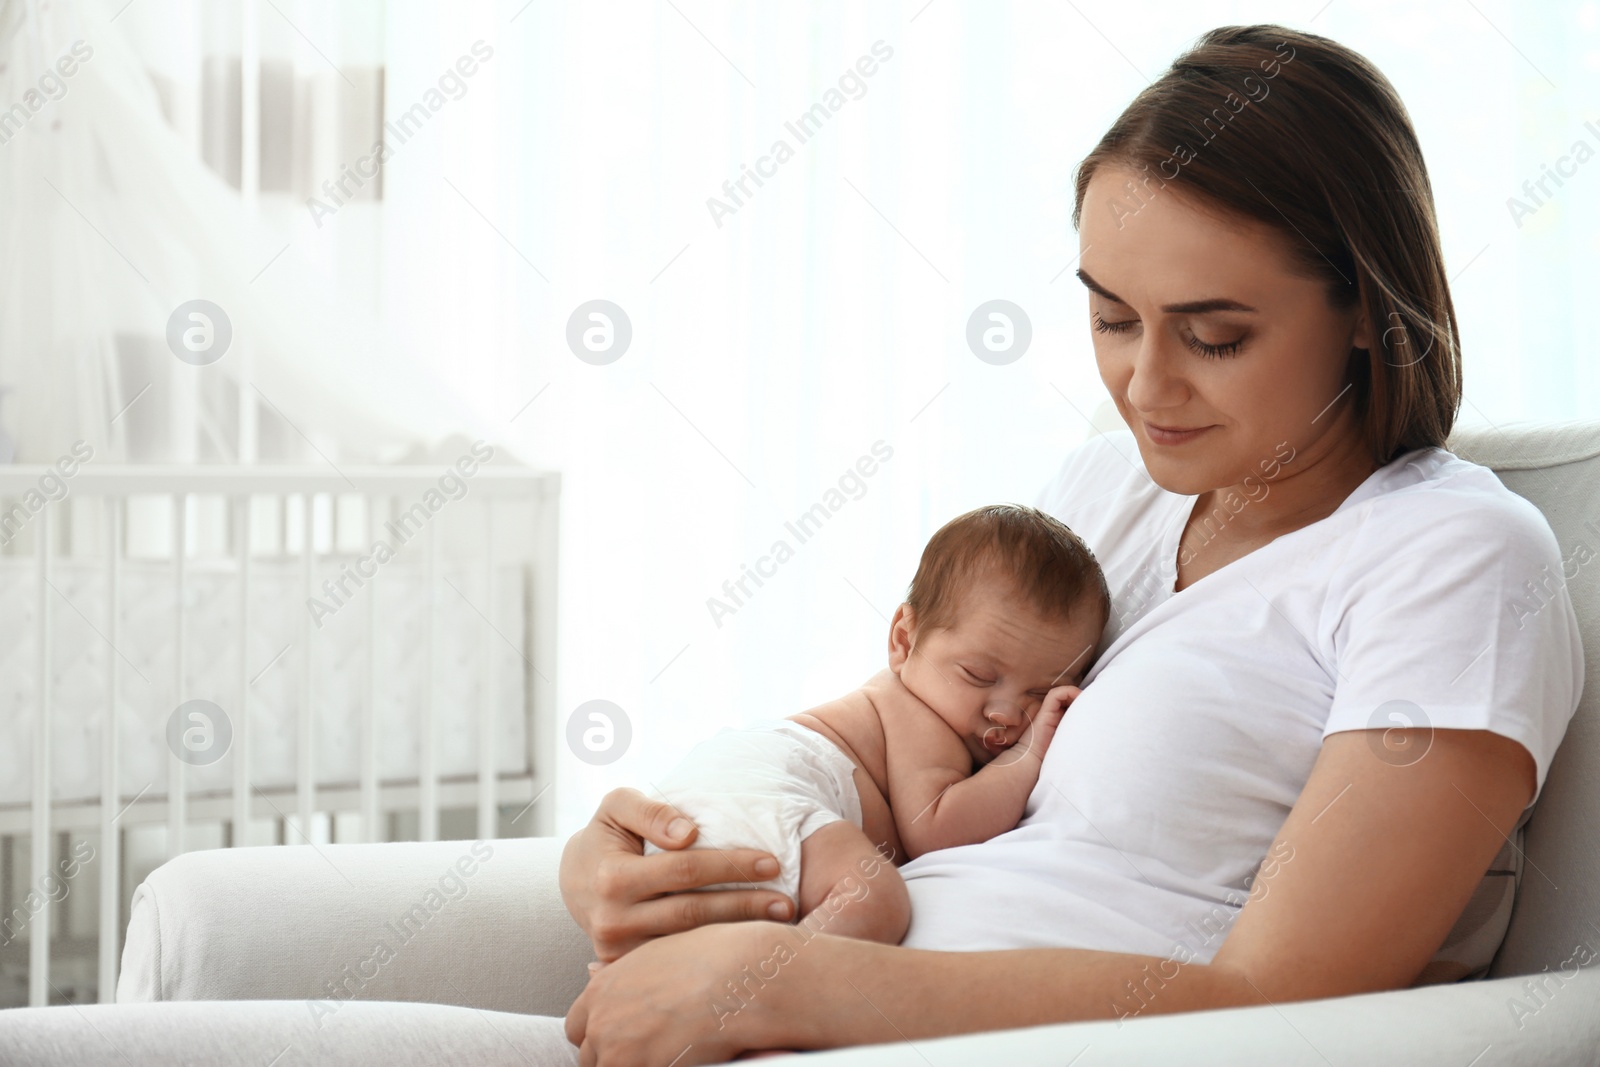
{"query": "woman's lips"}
pixel 1163 435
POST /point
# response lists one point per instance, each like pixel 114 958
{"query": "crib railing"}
pixel 256 513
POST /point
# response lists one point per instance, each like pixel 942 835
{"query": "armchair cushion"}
pixel 449 922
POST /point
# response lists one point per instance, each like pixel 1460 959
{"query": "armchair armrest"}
pixel 474 923
pixel 1552 1017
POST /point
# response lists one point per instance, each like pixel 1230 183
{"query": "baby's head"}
pixel 1006 604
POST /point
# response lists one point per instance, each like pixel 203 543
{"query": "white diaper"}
pixel 768 787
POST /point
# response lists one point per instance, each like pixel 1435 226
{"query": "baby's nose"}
pixel 1004 713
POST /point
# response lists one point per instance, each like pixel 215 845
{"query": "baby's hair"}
pixel 1046 562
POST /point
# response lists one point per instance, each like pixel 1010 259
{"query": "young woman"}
pixel 1323 701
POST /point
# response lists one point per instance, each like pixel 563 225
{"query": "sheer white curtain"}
pixel 777 338
pixel 120 183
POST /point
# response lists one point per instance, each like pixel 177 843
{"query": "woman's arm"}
pixel 618 895
pixel 1375 864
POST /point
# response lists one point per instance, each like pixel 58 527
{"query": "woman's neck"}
pixel 1308 488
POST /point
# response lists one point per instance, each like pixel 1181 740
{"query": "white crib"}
pixel 420 683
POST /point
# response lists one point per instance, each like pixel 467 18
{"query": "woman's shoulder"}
pixel 1431 535
pixel 1431 496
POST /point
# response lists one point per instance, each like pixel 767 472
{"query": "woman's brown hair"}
pixel 1306 136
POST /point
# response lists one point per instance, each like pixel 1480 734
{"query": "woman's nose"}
pixel 1152 385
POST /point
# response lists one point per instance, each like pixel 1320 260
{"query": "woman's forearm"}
pixel 847 992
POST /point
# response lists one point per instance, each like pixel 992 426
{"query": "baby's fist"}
pixel 1042 730
pixel 1058 698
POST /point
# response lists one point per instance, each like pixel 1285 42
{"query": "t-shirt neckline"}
pixel 1186 508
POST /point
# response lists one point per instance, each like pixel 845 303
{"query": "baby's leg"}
pixel 848 888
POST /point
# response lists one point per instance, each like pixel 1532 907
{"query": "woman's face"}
pixel 1200 325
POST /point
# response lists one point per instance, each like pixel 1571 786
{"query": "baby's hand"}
pixel 1042 729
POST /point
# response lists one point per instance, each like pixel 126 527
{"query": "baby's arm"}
pixel 937 801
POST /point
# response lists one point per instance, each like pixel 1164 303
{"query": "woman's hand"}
pixel 618 895
pixel 691 998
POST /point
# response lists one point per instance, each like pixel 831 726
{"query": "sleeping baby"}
pixel 940 749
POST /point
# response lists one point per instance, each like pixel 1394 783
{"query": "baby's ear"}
pixel 902 635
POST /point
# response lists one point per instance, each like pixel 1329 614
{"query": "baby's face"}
pixel 988 673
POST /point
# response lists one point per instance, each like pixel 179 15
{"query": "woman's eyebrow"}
pixel 1191 307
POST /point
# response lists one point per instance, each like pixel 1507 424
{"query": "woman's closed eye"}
pixel 1214 351
pixel 1210 351
pixel 1113 327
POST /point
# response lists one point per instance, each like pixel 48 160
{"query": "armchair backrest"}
pixel 1557 468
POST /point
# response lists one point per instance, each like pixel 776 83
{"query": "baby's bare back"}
pixel 865 724
pixel 921 785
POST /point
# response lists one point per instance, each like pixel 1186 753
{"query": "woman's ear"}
pixel 902 635
pixel 1361 335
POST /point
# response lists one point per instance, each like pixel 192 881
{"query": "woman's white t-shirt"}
pixel 1431 596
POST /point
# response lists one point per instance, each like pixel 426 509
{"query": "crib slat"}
pixel 241 718
pixel 427 762
pixel 547 741
pixel 486 692
pixel 110 792
pixel 177 806
pixel 39 842
pixel 305 765
pixel 369 711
